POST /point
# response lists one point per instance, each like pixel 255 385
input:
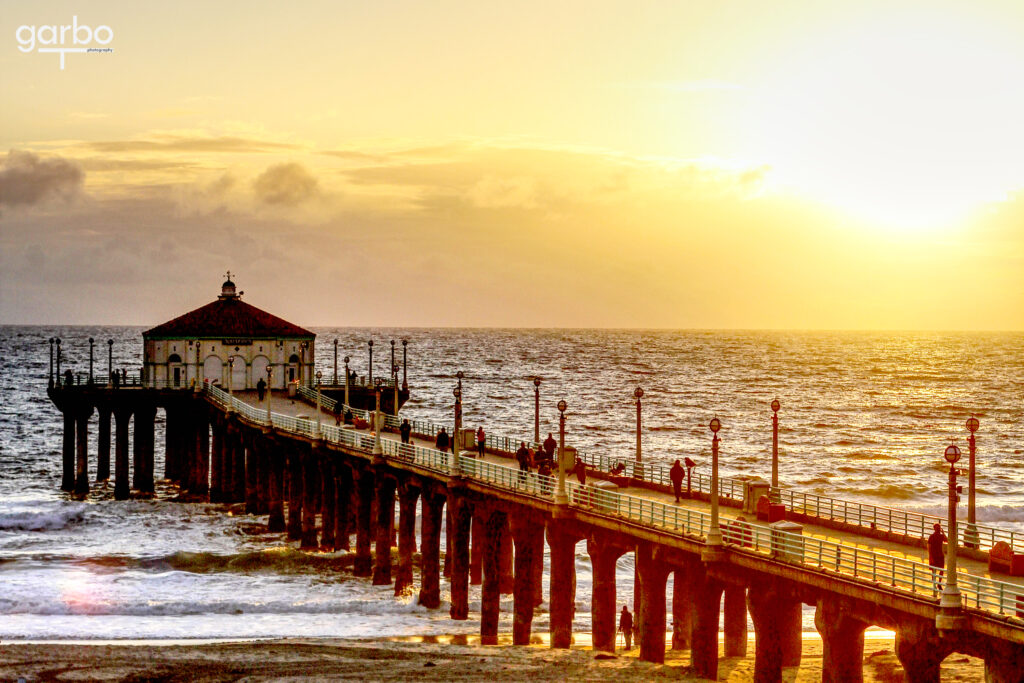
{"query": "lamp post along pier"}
pixel 950 604
pixel 457 434
pixel 346 380
pixel 370 375
pixel 270 370
pixel 536 410
pixel 971 532
pixel 405 376
pixel 92 342
pixel 715 548
pixel 638 468
pixel 318 431
pixel 377 449
pixel 774 493
pixel 335 362
pixel 561 498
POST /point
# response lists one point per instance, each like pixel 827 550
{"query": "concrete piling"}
pixel 430 548
pixel 408 496
pixel 562 585
pixel 363 563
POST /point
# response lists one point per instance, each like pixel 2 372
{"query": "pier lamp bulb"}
pixel 347 359
pixel 457 393
pixel 639 393
pixel 395 368
pixel 270 369
pixel 318 376
pixel 335 342
pixel 952 453
pixel 536 381
pixel 57 340
pixel 231 361
pixel 562 405
pixel 370 343
pixel 405 342
pixel 715 425
pixel 460 374
pixel 91 340
pixel 776 405
pixel 972 424
pixel 392 342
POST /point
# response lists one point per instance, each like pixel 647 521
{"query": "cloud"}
pixel 185 143
pixel 27 179
pixel 288 184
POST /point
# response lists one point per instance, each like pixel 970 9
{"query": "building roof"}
pixel 227 318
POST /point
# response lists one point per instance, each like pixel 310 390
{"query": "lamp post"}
pixel 950 605
pixel 199 367
pixel 92 342
pixel 393 357
pixel 714 533
pixel 456 435
pixel 270 370
pixel 405 377
pixel 971 532
pixel 394 377
pixel 346 380
pixel 377 450
pixel 57 340
pixel 560 496
pixel 335 362
pixel 231 374
pixel 536 409
pixel 775 450
pixel 370 344
pixel 50 380
pixel 460 374
pixel 110 359
pixel 303 363
pixel 638 468
pixel 318 376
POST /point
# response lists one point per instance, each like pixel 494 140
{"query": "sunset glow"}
pixel 592 164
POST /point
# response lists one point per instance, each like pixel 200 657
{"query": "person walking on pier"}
pixel 549 447
pixel 676 475
pixel 405 429
pixel 936 557
pixel 481 441
pixel 626 626
pixel 523 457
pixel 442 440
pixel 261 389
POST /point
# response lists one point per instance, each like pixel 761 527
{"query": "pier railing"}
pixel 882 571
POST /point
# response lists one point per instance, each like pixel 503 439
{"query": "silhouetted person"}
pixel 936 557
pixel 676 475
pixel 617 469
pixel 481 441
pixel 261 389
pixel 442 440
pixel 549 446
pixel 523 458
pixel 580 468
pixel 115 379
pixel 626 626
pixel 69 378
pixel 405 429
pixel 348 416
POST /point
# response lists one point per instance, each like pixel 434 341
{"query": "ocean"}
pixel 865 416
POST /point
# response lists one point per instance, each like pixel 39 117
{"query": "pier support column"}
pixel 122 489
pixel 201 434
pixel 476 551
pixel 275 473
pixel 490 593
pixel 82 415
pixel 538 564
pixel 603 556
pixel 462 521
pixel 67 479
pixel 310 469
pixel 706 605
pixel 295 494
pixel 527 533
pixel 1004 662
pixel 447 569
pixel 181 448
pixel 251 489
pixel 920 650
pixel 217 461
pixel 430 548
pixel 842 638
pixel 264 476
pixel 773 604
pixel 329 507
pixel 241 443
pixel 653 576
pixel 172 443
pixel 385 523
pixel 408 495
pixel 342 505
pixel 506 561
pixel 562 586
pixel 735 620
pixel 682 615
pixel 362 565
pixel 145 416
pixel 103 444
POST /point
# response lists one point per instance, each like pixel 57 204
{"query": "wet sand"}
pixel 428 659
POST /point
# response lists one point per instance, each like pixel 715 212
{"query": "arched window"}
pixel 174 358
pixel 293 367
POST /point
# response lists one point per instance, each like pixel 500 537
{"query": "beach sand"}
pixel 428 659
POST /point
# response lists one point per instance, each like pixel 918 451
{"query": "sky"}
pixel 781 165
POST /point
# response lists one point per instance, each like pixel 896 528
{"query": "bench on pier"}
pixel 768 511
pixel 1002 559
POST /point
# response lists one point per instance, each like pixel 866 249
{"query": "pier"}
pixel 322 484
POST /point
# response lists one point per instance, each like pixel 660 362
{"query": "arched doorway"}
pixel 259 370
pixel 213 370
pixel 174 369
pixel 293 368
pixel 238 373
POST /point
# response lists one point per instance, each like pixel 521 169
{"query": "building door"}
pixel 293 368
pixel 213 370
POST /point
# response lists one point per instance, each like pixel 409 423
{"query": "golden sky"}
pixel 854 165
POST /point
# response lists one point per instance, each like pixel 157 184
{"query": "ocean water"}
pixel 864 416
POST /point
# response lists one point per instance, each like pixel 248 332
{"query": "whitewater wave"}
pixel 41 520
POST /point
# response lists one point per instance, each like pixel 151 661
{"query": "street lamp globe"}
pixel 460 374
pixel 562 405
pixel 972 424
pixel 536 381
pixel 776 405
pixel 715 425
pixel 457 393
pixel 952 453
pixel 347 359
pixel 639 393
pixel 318 376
